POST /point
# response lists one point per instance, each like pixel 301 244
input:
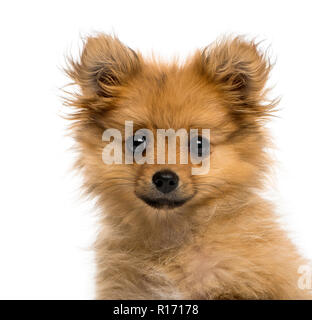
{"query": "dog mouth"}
pixel 164 203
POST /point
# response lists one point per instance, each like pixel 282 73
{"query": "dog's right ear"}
pixel 105 64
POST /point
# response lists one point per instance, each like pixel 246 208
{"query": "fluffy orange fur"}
pixel 225 242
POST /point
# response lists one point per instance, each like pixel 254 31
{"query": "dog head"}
pixel 220 88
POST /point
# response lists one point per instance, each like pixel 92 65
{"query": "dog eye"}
pixel 200 146
pixel 138 143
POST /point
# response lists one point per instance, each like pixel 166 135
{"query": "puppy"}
pixel 166 233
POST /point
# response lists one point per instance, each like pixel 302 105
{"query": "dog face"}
pixel 219 88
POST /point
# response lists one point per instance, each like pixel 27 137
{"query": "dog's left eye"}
pixel 138 143
pixel 200 146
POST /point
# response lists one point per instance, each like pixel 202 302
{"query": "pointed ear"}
pixel 105 64
pixel 240 71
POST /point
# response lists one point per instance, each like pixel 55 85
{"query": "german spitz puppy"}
pixel 167 231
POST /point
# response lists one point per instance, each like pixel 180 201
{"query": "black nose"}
pixel 165 181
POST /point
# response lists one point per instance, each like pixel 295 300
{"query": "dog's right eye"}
pixel 137 143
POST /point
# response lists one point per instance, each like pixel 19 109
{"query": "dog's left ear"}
pixel 239 71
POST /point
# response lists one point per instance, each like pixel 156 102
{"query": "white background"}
pixel 45 227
